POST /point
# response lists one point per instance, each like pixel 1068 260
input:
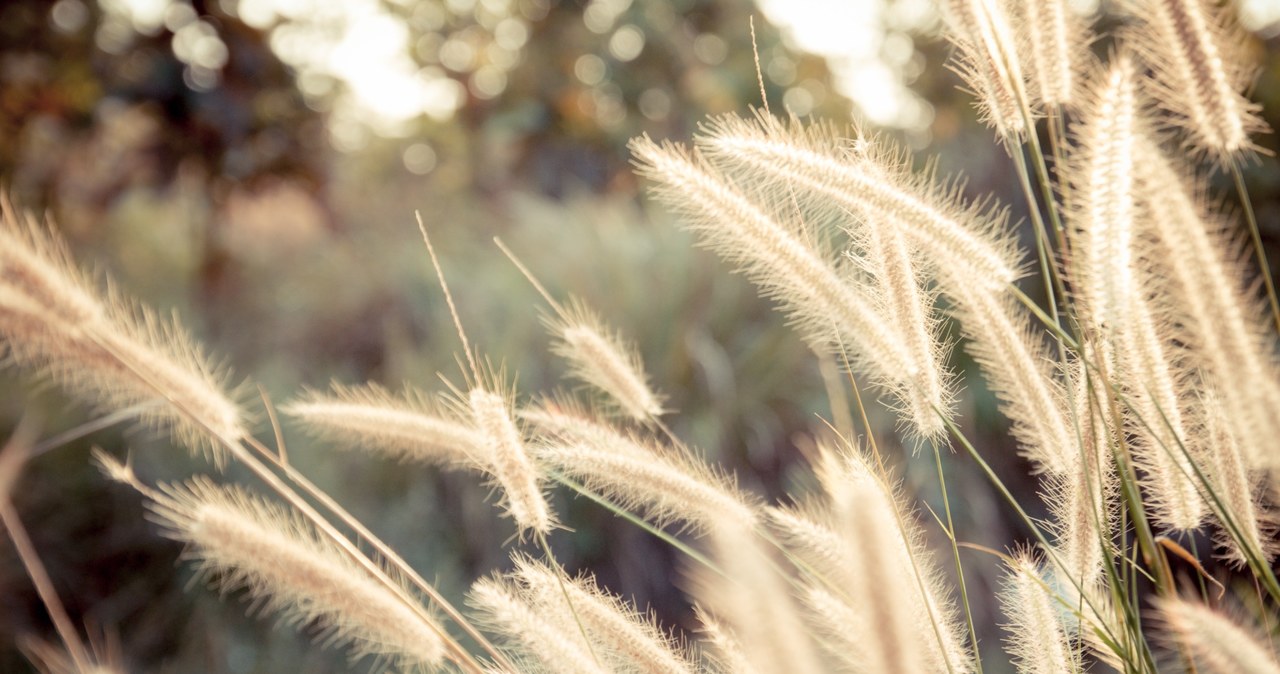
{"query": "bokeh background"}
pixel 254 167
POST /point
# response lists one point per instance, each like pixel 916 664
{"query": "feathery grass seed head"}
pixel 599 357
pixel 507 457
pixel 626 640
pixel 914 622
pixel 753 601
pixel 1223 329
pixel 725 648
pixel 1082 493
pixel 411 427
pixel 541 645
pixel 1012 355
pixel 1162 443
pixel 1219 644
pixel 1102 215
pixel 105 351
pixel 829 308
pixel 244 542
pixel 776 256
pixel 1036 639
pixel 1053 43
pixel 36 264
pixel 987 59
pixel 1247 528
pixel 1196 56
pixel 910 306
pixel 667 484
pixel 870 180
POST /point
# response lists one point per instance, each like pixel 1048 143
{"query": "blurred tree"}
pixel 92 104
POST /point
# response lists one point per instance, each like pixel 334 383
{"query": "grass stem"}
pixel 1256 236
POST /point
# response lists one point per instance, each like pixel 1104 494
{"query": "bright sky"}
pixel 864 57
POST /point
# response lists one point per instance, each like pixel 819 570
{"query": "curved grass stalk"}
pixel 1256 559
pixel 674 542
pixel 1259 566
pixel 244 541
pixel 89 427
pixel 455 650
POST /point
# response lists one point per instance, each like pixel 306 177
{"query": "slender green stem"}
pixel 1254 558
pixel 1042 244
pixel 882 471
pixel 457 653
pixel 564 590
pixel 955 553
pixel 636 520
pixel 1046 192
pixel 92 426
pixel 1046 189
pixel 1030 522
pixel 1130 493
pixel 1048 321
pixel 1057 127
pixel 1256 235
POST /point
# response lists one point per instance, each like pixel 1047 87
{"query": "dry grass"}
pixel 1146 393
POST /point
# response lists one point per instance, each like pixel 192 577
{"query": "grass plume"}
pixel 597 354
pixel 412 426
pixel 1036 640
pixel 666 483
pixel 540 645
pixel 628 641
pixel 1194 51
pixel 103 349
pixel 506 456
pixel 1052 47
pixel 241 541
pixel 600 357
pixel 1219 644
pixel 781 259
pixel 987 59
